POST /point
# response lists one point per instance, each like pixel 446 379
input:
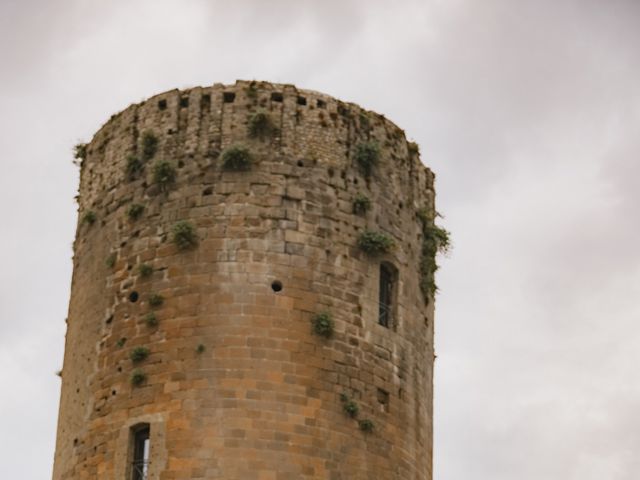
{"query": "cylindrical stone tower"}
pixel 251 294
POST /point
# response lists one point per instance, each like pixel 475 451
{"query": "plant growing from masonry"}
pixel 361 204
pixel 149 145
pixel 236 158
pixel 252 91
pixel 322 324
pixel 145 270
pixel 413 148
pixel 121 341
pixel 89 218
pixel 80 152
pixel 133 167
pixel 261 126
pixel 151 320
pixel 110 261
pixel 200 348
pixel 434 240
pixel 184 235
pixel 156 300
pixel 367 155
pixel 164 174
pixel 138 377
pixel 134 212
pixel 375 243
pixel 139 354
pixel 366 425
pixel 350 408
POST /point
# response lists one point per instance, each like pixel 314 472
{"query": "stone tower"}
pixel 251 293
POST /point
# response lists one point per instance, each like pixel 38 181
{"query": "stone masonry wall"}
pixel 237 385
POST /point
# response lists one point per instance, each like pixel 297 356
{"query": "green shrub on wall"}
pixel 89 218
pixel 134 212
pixel 149 145
pixel 139 354
pixel 184 235
pixel 261 126
pixel 434 240
pixel 138 377
pixel 322 324
pixel 361 204
pixel 164 173
pixel 110 261
pixel 151 320
pixel 351 408
pixel 133 167
pixel 236 158
pixel 367 155
pixel 156 300
pixel 145 270
pixel 366 425
pixel 375 243
pixel 80 151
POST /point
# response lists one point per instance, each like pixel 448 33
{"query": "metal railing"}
pixel 140 470
pixel 384 315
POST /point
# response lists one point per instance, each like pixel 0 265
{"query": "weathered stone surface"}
pixel 262 400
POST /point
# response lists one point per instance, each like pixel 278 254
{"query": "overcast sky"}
pixel 527 111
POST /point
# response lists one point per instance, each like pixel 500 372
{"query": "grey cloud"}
pixel 527 112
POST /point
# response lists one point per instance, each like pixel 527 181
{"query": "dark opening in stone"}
pixel 322 104
pixel 302 101
pixel 133 296
pixel 276 286
pixel 184 102
pixel 162 104
pixel 277 96
pixel 228 97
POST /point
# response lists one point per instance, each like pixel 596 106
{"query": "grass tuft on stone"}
pixel 375 243
pixel 237 159
pixel 164 174
pixel 156 300
pixel 138 377
pixel 138 354
pixel 322 324
pixel 361 204
pixel 184 235
pixel 261 126
pixel 149 145
pixel 367 155
pixel 134 212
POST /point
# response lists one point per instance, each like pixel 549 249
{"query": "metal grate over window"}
pixel 140 463
pixel 385 301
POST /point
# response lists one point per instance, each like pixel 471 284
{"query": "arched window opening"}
pixel 141 446
pixel 386 295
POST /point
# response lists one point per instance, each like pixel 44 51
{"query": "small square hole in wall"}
pixel 184 102
pixel 383 400
pixel 162 104
pixel 228 97
pixel 302 101
pixel 321 104
pixel 276 96
pixel 205 101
